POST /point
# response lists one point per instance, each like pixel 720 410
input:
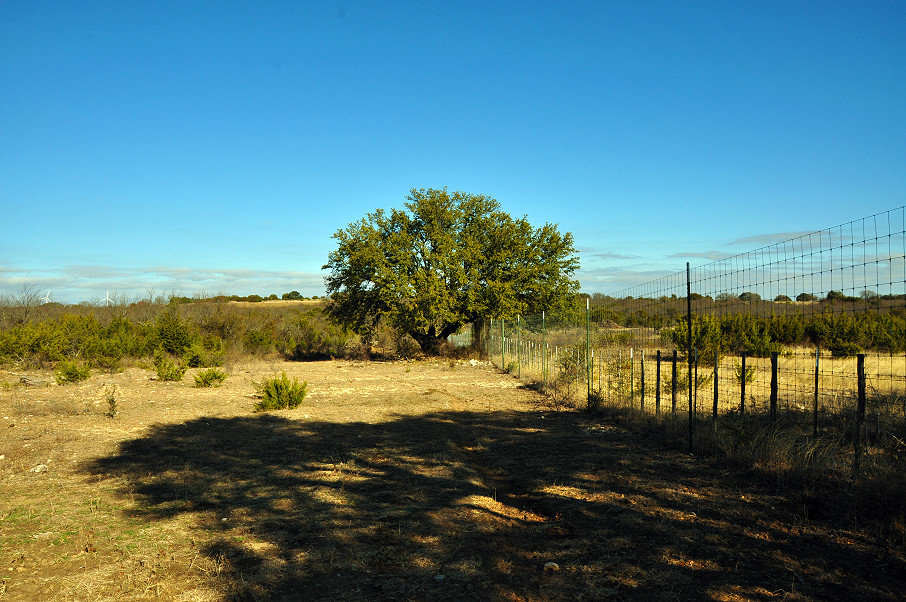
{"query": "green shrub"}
pixel 210 377
pixel 173 333
pixel 167 369
pixel 197 356
pixel 258 340
pixel 69 371
pixel 279 393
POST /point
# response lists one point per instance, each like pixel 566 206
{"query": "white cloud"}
pixel 76 283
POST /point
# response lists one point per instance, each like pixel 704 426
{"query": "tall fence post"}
pixel 543 352
pixel 774 356
pixel 689 350
pixel 642 383
pixel 657 389
pixel 860 412
pixel 716 367
pixel 588 382
pixel 673 385
pixel 502 345
pixel 695 380
pixel 742 385
pixel 518 346
pixel 631 378
pixel 815 404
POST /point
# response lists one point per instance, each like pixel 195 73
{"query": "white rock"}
pixel 551 566
pixel 39 468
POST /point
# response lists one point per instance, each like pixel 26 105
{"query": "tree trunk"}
pixel 432 341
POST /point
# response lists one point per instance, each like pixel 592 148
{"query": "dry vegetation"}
pixel 435 480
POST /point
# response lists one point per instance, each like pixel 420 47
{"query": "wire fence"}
pixel 794 330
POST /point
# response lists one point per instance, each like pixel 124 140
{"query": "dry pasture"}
pixel 434 480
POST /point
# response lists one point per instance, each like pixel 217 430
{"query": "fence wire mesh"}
pixel 776 331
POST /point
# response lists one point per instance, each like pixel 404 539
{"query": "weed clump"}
pixel 110 396
pixel 210 377
pixel 279 393
pixel 69 371
pixel 167 369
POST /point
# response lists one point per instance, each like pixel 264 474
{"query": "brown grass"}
pixel 407 481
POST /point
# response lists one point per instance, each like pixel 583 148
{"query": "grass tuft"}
pixel 279 393
pixel 69 371
pixel 210 377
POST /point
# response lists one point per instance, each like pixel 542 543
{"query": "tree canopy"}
pixel 446 260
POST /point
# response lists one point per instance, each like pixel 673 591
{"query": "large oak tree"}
pixel 447 260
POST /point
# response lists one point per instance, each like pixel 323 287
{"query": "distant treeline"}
pixel 199 334
pixel 843 334
pixel 290 296
pixel 844 325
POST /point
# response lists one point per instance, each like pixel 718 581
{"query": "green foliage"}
pixel 749 376
pixel 174 334
pixel 750 297
pixel 69 371
pixel 292 296
pixel 707 337
pixel 279 393
pixel 745 333
pixel 167 369
pixel 312 336
pixel 197 356
pixel 210 377
pixel 447 260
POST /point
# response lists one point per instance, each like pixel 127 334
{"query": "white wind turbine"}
pixel 107 299
pixel 45 298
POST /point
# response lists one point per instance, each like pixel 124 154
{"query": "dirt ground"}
pixel 432 480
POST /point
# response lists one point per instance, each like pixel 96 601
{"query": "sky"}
pixel 202 148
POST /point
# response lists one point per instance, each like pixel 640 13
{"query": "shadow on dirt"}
pixel 472 506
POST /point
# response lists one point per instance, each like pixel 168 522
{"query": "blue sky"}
pixel 215 147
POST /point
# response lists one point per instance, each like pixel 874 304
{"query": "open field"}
pixel 435 480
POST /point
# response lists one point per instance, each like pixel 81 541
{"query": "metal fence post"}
pixel 518 346
pixel 815 405
pixel 673 384
pixel 588 348
pixel 742 387
pixel 716 366
pixel 774 356
pixel 543 352
pixel 657 389
pixel 642 383
pixel 860 412
pixel 502 345
pixel 631 378
pixel 689 356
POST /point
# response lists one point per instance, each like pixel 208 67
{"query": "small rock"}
pixel 39 468
pixel 439 577
pixel 551 566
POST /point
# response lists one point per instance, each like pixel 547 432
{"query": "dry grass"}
pixel 406 481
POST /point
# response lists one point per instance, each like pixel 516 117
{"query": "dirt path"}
pixel 404 481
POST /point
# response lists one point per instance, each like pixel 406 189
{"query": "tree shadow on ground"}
pixel 473 506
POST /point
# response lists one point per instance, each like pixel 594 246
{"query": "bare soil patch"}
pixel 393 481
